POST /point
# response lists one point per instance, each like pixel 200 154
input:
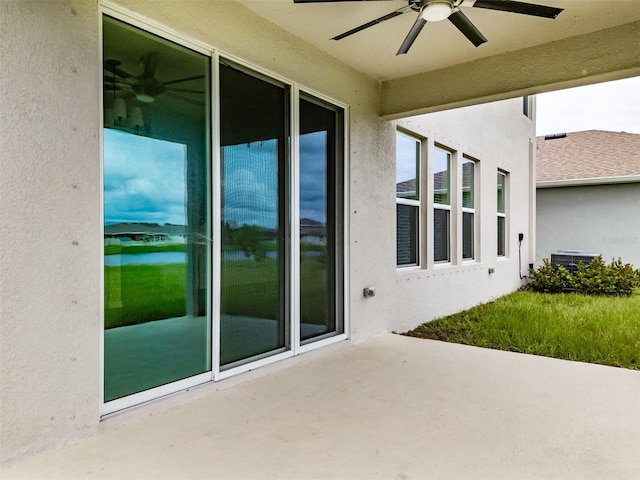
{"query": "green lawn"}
pixel 604 330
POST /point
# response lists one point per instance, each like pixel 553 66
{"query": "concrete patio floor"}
pixel 391 408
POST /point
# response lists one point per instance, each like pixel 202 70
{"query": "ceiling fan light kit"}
pixel 438 10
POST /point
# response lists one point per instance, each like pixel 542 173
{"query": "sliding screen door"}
pixel 320 220
pixel 156 211
pixel 254 273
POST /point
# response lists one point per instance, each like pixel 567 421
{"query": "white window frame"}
pixel 505 190
pixel 442 206
pixel 414 203
pixel 472 210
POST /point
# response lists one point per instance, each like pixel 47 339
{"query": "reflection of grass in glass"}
pixel 250 288
pixel 143 293
pixel 146 293
pixel 313 291
pixel 116 249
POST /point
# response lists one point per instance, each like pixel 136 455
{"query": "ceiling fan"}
pixel 145 87
pixel 437 10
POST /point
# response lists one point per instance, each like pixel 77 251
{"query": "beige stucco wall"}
pixel 498 136
pixel 602 219
pixel 50 222
pixel 50 200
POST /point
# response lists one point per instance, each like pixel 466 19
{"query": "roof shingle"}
pixel 588 154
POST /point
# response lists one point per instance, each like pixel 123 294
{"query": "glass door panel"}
pixel 156 211
pixel 320 204
pixel 254 280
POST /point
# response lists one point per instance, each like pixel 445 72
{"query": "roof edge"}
pixel 577 182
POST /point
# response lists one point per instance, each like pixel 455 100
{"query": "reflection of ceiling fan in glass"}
pixel 145 87
pixel 437 10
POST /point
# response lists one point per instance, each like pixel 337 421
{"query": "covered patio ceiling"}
pixel 589 42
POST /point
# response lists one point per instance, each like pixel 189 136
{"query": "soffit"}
pixel 440 45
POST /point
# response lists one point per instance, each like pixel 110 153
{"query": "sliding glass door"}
pixel 279 256
pixel 156 211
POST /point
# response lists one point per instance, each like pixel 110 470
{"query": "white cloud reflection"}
pixel 144 179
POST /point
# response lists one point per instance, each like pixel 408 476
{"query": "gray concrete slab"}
pixel 391 408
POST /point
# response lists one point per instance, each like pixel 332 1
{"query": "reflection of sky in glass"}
pixel 144 179
pixel 441 162
pixel 313 176
pixel 501 182
pixel 406 157
pixel 468 175
pixel 251 184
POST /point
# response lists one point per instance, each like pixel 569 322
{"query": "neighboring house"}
pixel 145 232
pixel 220 120
pixel 588 194
pixel 312 232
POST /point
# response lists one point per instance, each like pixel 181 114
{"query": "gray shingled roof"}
pixel 588 154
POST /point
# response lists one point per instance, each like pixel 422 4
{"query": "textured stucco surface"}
pixel 50 223
pixel 602 219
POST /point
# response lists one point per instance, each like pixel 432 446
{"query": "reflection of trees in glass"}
pixel 249 239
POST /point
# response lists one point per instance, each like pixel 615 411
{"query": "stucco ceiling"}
pixel 440 45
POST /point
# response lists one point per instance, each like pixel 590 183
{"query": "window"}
pixel 502 215
pixel 468 209
pixel 441 205
pixel 526 106
pixel 453 178
pixel 407 199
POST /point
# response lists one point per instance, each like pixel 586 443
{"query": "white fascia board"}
pixel 577 182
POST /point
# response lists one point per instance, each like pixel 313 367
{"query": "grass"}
pixel 143 293
pixel 604 330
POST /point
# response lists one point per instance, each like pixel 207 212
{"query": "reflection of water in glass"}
pixel 158 258
pixel 153 258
